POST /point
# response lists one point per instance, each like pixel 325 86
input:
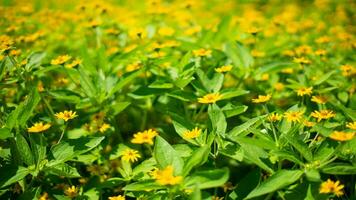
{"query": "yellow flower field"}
pixel 177 99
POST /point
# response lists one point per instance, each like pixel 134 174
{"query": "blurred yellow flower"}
pixel 319 99
pixel 130 155
pixel 304 91
pixel 323 114
pixel 225 68
pixel 210 98
pixel 38 127
pixel 119 197
pixel 262 98
pixel 166 177
pixel 293 116
pixel 75 63
pixel 351 125
pixel 66 115
pixel 341 136
pixel 144 137
pixel 330 186
pixel 60 60
pixel 192 134
pixel 71 191
pixel 104 127
pixel 202 52
pixel 274 117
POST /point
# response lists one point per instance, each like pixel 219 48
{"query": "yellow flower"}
pixel 75 63
pixel 319 99
pixel 304 91
pixel 287 70
pixel 253 30
pixel 166 31
pixel 323 114
pixel 279 86
pixel 137 33
pixel 130 155
pixel 104 127
pixel 293 116
pixel 66 115
pixel 166 177
pixel 44 196
pixel 38 127
pixel 341 136
pixel 210 98
pixel 225 68
pixel 308 123
pixel 144 137
pixel 262 98
pixel 274 117
pixel 60 60
pixel 320 52
pixel 201 52
pixel 351 125
pixel 119 197
pixel 301 60
pixel 71 191
pixel 348 70
pixel 330 186
pixel 192 134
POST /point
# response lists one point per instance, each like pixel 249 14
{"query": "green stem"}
pixel 65 126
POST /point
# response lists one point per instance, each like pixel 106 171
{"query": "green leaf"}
pixel 231 93
pixel 23 112
pixel 24 149
pixel 63 169
pixel 181 125
pixel 277 181
pixel 298 144
pixel 38 145
pixel 118 107
pixel 217 119
pixel 5 133
pixel 143 186
pixel 245 126
pixel 12 174
pixel 126 79
pixel 232 110
pixel 165 155
pixel 339 168
pixel 199 157
pixel 207 179
pixel 239 55
pixel 67 150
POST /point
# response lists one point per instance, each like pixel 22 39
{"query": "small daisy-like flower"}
pixel 210 98
pixel 75 63
pixel 330 186
pixel 304 91
pixel 71 191
pixel 319 99
pixel 301 60
pixel 293 116
pixel 323 114
pixel 223 69
pixel 308 123
pixel 38 127
pixel 44 196
pixel 351 125
pixel 192 134
pixel 104 127
pixel 202 52
pixel 66 115
pixel 130 155
pixel 60 60
pixel 341 136
pixel 144 137
pixel 166 177
pixel 119 197
pixel 262 98
pixel 274 117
